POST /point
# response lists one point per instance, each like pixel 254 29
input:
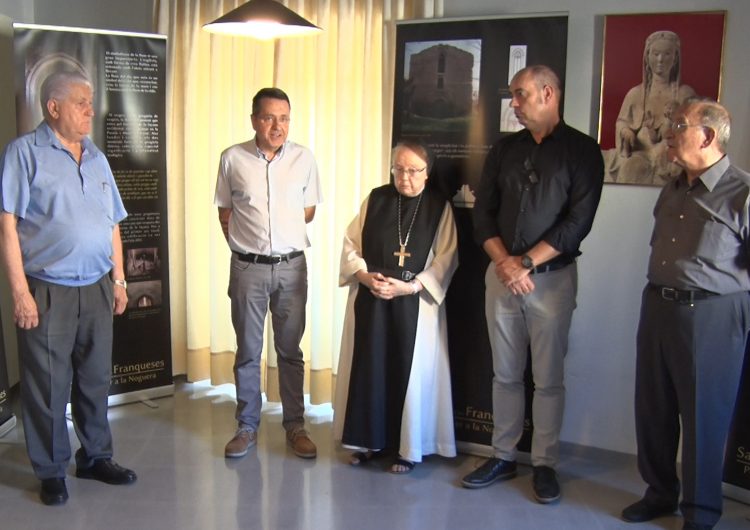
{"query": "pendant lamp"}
pixel 262 19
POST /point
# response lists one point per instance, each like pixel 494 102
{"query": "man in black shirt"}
pixel 536 202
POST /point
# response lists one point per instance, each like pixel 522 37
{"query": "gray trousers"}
pixel 253 288
pixel 688 370
pixel 69 355
pixel 540 319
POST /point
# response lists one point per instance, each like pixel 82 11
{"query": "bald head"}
pixel 536 94
pixel 542 76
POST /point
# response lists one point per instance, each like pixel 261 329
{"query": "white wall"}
pixel 17 10
pixel 601 361
pixel 123 15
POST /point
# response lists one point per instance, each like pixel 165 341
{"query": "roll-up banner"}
pixel 7 419
pixel 452 93
pixel 128 71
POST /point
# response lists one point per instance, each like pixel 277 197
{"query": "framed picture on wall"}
pixel 650 64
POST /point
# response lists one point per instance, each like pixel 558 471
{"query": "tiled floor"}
pixel 185 483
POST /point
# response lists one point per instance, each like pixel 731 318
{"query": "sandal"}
pixel 408 466
pixel 362 457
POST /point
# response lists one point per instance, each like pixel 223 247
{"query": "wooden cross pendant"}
pixel 401 255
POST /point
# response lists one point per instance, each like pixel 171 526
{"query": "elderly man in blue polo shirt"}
pixel 61 248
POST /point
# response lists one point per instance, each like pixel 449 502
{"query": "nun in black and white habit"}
pixel 393 390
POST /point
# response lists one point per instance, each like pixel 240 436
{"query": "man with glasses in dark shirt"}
pixel 695 317
pixel 536 202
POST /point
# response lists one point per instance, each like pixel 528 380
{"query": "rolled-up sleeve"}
pixel 587 179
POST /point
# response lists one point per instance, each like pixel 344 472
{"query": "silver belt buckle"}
pixel 669 293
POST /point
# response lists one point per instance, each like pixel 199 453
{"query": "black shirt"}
pixel 531 192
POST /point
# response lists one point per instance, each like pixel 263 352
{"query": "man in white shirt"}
pixel 266 192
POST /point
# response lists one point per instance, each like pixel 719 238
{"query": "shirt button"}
pixel 674 239
pixel 663 262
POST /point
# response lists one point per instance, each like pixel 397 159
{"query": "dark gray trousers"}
pixel 688 369
pixel 67 357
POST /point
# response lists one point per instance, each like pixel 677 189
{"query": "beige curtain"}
pixel 340 84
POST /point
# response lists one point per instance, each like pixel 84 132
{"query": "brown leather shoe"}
pixel 301 443
pixel 242 441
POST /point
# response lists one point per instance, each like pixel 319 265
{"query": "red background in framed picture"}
pixel 701 36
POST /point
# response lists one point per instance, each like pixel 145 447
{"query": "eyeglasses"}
pixel 411 171
pixel 267 118
pixel 678 126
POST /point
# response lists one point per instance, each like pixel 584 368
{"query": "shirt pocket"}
pixel 102 197
pixel 716 241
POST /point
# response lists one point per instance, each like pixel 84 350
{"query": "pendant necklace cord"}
pixel 411 224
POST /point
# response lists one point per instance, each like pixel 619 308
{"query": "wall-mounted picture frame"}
pixel 650 64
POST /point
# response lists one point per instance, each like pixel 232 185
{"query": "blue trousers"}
pixel 688 369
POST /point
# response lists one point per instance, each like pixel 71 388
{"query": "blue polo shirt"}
pixel 66 212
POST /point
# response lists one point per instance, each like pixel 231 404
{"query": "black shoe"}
pixel 546 488
pixel 107 470
pixel 643 510
pixel 696 526
pixel 53 491
pixel 491 471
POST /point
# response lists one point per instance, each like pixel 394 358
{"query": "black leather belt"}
pixel 268 260
pixel 680 296
pixel 549 267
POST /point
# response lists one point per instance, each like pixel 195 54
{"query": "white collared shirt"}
pixel 268 199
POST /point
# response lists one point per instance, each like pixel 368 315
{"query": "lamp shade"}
pixel 262 19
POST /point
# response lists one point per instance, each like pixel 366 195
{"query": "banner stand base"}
pixel 471 448
pixel 144 396
pixel 7 425
pixel 736 493
pixel 485 451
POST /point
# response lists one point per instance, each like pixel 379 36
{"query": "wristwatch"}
pixel 121 283
pixel 527 262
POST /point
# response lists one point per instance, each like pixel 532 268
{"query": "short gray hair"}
pixel 713 115
pixel 57 86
